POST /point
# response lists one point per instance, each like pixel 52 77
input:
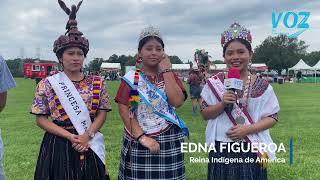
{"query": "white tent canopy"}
pixel 317 66
pixel 110 66
pixel 181 66
pixel 301 65
pixel 218 67
pixel 259 66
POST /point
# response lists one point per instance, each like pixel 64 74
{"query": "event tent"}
pixel 317 66
pixel 110 66
pixel 301 65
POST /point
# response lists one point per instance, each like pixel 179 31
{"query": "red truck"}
pixel 39 70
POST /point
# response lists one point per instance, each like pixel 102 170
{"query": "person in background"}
pixel 194 81
pixel 6 82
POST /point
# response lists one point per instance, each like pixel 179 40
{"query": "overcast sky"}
pixel 113 26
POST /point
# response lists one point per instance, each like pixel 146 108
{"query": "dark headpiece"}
pixel 73 37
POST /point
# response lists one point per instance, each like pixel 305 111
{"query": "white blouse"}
pixel 265 105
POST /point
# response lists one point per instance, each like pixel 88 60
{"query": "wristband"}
pixel 166 70
pixel 140 136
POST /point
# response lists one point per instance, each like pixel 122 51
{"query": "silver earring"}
pixel 249 65
pixel 60 66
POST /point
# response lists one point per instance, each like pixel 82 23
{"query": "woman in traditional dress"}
pixel 72 146
pixel 255 109
pixel 146 99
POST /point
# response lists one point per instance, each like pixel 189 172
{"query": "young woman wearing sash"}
pixel 146 99
pixel 255 109
pixel 72 147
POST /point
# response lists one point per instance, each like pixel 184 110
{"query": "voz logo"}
pixel 294 24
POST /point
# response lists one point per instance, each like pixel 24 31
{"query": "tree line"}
pixel 278 52
pixel 16 65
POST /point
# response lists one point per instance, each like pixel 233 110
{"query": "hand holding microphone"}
pixel 229 97
pixel 232 83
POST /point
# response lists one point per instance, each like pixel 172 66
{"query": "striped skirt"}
pixel 58 160
pixel 221 170
pixel 138 163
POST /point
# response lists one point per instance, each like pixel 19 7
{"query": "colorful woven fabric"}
pixel 134 94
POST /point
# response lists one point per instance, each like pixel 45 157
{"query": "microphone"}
pixel 232 83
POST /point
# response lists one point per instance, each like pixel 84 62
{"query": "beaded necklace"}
pixel 134 94
pixel 243 101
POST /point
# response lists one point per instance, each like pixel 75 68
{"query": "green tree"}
pixel 16 67
pixel 122 59
pixel 94 65
pixel 131 60
pixel 175 59
pixel 279 52
pixel 113 59
pixel 312 58
pixel 218 62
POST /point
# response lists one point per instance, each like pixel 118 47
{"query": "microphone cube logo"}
pixel 291 24
pixel 233 83
pixel 238 84
pixel 227 84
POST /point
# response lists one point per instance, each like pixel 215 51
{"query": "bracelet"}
pixel 140 136
pixel 166 70
pixel 91 134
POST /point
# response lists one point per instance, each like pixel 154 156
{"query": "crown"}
pixel 235 31
pixel 150 31
pixel 73 37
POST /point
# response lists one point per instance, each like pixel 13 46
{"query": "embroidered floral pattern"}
pixel 45 104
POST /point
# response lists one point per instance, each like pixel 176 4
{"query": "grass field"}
pixel 299 118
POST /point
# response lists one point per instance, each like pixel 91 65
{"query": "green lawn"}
pixel 300 108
